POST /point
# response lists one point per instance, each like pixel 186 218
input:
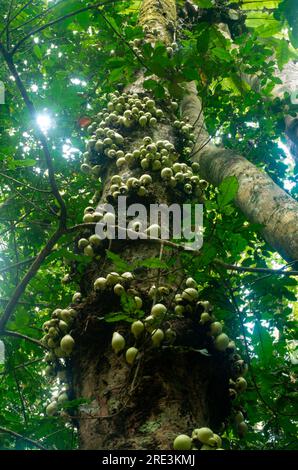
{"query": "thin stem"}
pixel 23 438
pixel 61 18
pixel 16 334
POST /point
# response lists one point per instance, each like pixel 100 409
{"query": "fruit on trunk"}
pixel 131 355
pixel 118 342
pixel 221 342
pixel 158 310
pixel 137 328
pixel 182 442
pixel 67 344
pixel 202 434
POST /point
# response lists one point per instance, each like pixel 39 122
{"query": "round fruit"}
pixel 118 289
pixel 118 342
pixel 113 278
pixel 63 397
pixel 242 429
pixel 88 251
pixel 170 335
pixel 182 442
pixel 215 328
pixel 221 342
pixel 241 384
pixel 131 355
pixel 52 409
pixel 190 294
pixel 190 282
pixel 95 240
pixel 158 310
pixel 67 344
pixel 202 434
pixel 83 242
pixel 100 283
pixel 205 318
pixel 239 417
pixel 137 328
pixel 63 326
pixel 138 302
pixel 157 337
pixel 77 297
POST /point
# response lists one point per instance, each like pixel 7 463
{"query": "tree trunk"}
pixel 183 380
pixel 168 390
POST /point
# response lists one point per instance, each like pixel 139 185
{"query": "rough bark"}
pixel 169 390
pixel 259 198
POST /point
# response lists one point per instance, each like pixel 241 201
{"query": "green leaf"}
pixel 227 191
pixel 37 51
pixel 221 54
pixel 283 53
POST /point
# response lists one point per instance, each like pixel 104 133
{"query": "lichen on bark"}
pixel 160 16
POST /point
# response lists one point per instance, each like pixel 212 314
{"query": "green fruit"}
pixel 242 429
pixel 190 294
pixel 143 121
pixel 113 278
pixel 157 337
pixel 127 276
pixel 179 310
pixel 67 344
pixel 118 289
pixel 131 355
pixel 239 417
pixel 215 328
pixel 63 326
pixel 86 169
pixel 166 173
pixel 83 242
pixel 77 297
pixel 241 384
pixel 182 442
pixel 137 328
pixel 221 342
pixel 88 218
pixel 52 409
pixel 170 335
pixel 118 342
pixel 62 398
pixel 88 251
pixel 138 302
pixel 205 318
pixel 100 283
pixel 190 282
pixel 202 434
pixel 206 447
pixel 158 310
pixel 218 441
pixel 95 240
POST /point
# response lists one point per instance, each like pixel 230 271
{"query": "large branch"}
pixel 28 276
pixel 259 198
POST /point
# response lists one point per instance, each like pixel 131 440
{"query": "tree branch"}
pixel 24 438
pixel 61 18
pixel 28 276
pixel 46 191
pixel 16 334
pixel 181 247
pixel 232 267
pixel 41 137
pixel 16 265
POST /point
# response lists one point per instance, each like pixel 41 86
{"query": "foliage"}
pixel 67 68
